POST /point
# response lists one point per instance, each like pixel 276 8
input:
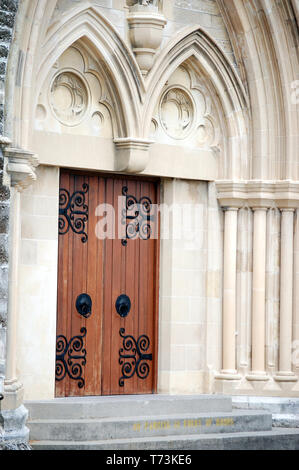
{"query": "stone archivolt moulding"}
pixel 258 194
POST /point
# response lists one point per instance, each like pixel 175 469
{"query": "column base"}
pixel 257 376
pixel 282 376
pixel 13 395
pixel 228 375
pixel 14 435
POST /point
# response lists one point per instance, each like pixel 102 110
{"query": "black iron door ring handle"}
pixel 84 305
pixel 123 305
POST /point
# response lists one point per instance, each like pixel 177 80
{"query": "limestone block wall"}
pixel 205 13
pixel 191 288
pixel 36 339
pixel 179 14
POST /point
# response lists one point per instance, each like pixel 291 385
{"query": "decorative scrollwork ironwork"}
pixel 133 357
pixel 137 217
pixel 71 358
pixel 73 212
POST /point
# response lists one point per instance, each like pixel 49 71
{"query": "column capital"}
pixel 260 208
pixel 230 208
pixel 258 193
pixel 20 167
pixel 4 141
pixel 287 209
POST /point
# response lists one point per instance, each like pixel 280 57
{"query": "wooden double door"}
pixel 108 270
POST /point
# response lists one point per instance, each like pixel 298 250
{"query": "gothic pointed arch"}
pixel 195 46
pixel 47 42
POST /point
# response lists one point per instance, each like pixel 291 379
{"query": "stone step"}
pixel 276 439
pixel 148 426
pixel 285 411
pixel 121 406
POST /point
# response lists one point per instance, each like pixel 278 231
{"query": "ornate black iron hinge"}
pixel 133 357
pixel 137 217
pixel 71 358
pixel 73 212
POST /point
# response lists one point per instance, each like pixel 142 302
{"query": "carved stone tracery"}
pixel 69 98
pixel 177 112
pixel 186 111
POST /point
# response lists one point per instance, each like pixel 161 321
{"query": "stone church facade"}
pixel 198 98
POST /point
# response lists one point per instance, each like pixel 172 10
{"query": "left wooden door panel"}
pixel 79 274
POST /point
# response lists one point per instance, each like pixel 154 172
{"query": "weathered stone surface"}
pixel 3 251
pixel 9 5
pixel 5 34
pixel 4 192
pixel 14 446
pixel 6 19
pixel 4 217
pixel 3 50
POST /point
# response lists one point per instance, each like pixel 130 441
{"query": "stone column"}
pixel 259 294
pixel 20 173
pixel 13 389
pixel 286 296
pixel 229 295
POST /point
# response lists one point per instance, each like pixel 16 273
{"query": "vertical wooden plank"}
pixel 62 296
pixel 156 287
pixel 116 321
pixel 79 275
pixel 95 291
pixel 69 292
pixel 131 321
pixel 145 315
pixel 107 298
